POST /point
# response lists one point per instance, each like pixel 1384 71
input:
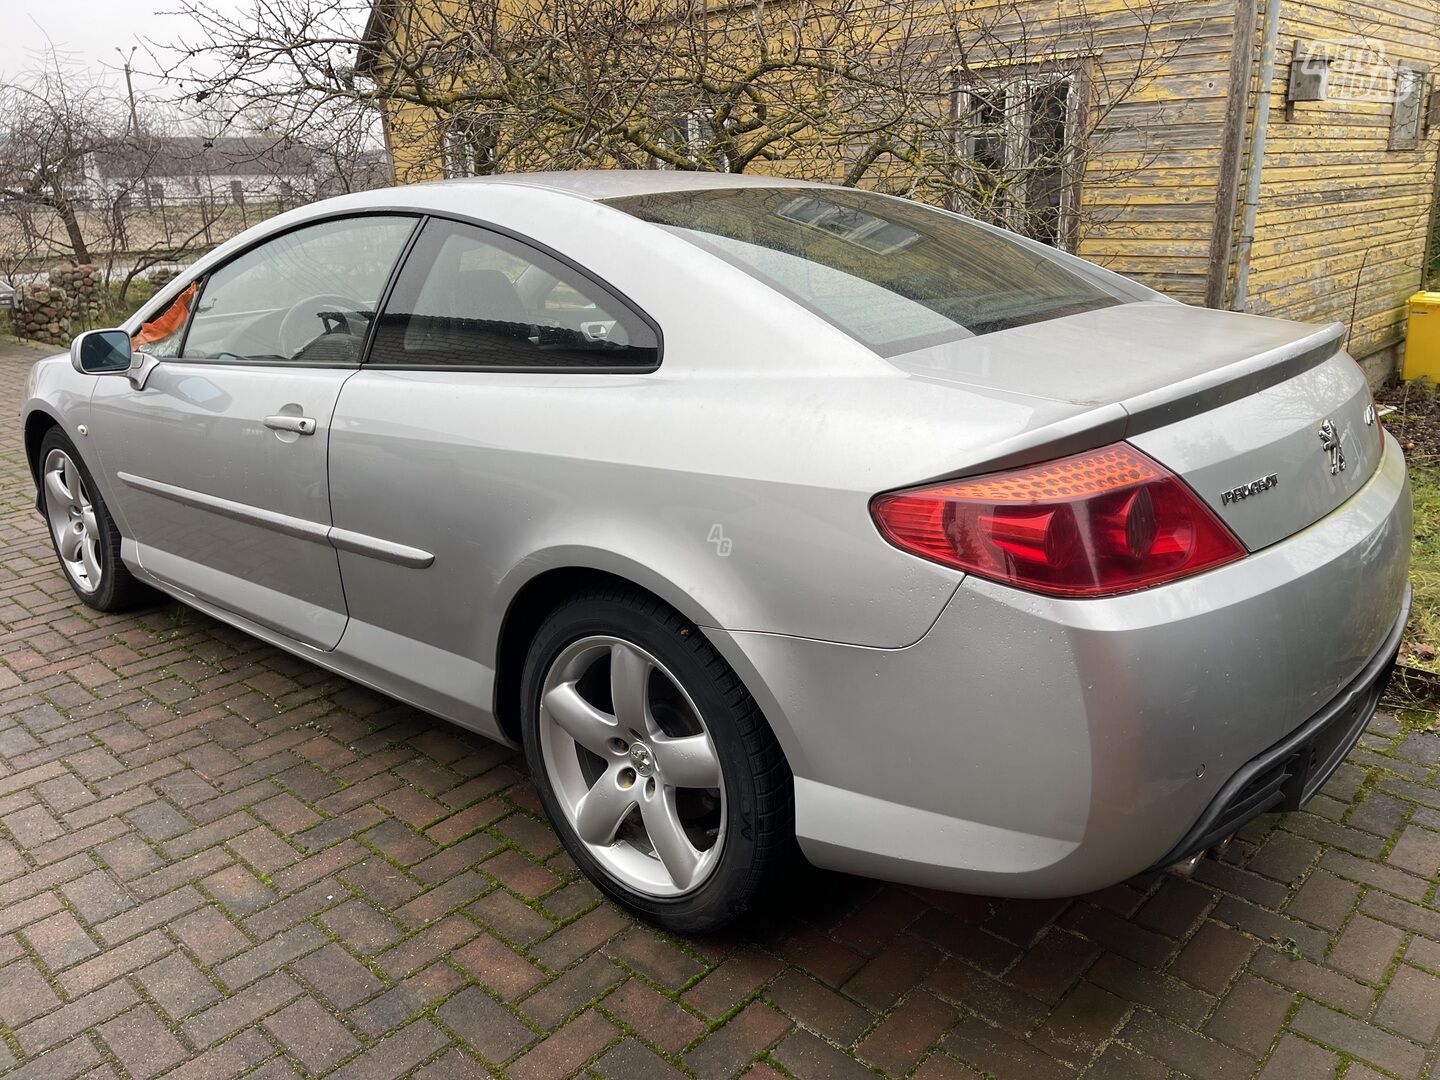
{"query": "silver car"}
pixel 769 518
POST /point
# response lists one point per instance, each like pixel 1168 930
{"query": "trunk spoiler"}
pixel 1155 408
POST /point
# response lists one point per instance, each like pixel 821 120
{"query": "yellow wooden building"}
pixel 1271 156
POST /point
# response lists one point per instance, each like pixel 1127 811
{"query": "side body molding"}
pixel 343 539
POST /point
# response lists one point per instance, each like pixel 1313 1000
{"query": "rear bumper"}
pixel 1287 776
pixel 1028 746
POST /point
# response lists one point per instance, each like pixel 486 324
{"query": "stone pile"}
pixel 40 314
pixel 84 290
pixel 73 300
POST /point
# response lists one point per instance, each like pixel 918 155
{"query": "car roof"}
pixel 591 185
pixel 616 183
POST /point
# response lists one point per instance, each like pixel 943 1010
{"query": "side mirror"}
pixel 101 352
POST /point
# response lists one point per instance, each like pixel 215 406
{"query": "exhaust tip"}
pixel 1186 867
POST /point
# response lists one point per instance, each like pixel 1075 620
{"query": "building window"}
pixel 1015 141
pixel 466 146
pixel 1405 119
pixel 456 157
pixel 693 136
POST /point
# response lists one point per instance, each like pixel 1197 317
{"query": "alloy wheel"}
pixel 632 765
pixel 73 523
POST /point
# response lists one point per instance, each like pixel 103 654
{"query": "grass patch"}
pixel 1421 647
pixel 1419 718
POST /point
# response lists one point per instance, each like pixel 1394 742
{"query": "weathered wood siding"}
pixel 1342 219
pixel 412 138
pixel 1155 74
pixel 1155 81
pixel 1148 193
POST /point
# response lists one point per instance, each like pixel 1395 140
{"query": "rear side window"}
pixel 895 275
pixel 469 297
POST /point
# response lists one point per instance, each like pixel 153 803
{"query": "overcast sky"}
pixel 88 31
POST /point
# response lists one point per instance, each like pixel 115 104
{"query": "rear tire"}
pixel 85 536
pixel 683 794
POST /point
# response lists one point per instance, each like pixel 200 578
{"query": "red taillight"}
pixel 1096 524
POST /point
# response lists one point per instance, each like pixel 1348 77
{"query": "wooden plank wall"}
pixel 1148 193
pixel 1337 207
pixel 1342 219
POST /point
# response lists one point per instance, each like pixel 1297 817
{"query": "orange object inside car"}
pixel 168 322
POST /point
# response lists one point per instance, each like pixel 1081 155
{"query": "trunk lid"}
pixel 1270 422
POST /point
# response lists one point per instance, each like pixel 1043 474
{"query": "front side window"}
pixel 468 297
pixel 895 275
pixel 305 297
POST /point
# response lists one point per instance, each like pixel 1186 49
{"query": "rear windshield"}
pixel 894 275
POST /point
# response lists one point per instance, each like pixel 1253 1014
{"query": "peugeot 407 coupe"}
pixel 773 520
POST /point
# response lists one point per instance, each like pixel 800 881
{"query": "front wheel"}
pixel 85 536
pixel 653 762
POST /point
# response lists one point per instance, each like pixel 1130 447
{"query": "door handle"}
pixel 301 425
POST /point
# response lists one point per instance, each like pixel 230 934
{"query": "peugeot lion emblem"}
pixel 1330 443
pixel 641 758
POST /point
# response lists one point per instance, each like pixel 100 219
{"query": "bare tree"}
pixel 992 108
pixel 159 242
pixel 77 169
pixel 52 121
pixel 567 83
pixel 327 147
pixel 18 244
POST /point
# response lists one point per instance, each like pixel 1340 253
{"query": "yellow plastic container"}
pixel 1422 337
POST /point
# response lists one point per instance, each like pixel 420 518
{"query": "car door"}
pixel 218 464
pixel 440 453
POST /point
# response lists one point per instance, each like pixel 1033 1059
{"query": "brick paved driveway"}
pixel 216 860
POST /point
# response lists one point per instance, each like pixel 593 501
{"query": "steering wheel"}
pixel 297 328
